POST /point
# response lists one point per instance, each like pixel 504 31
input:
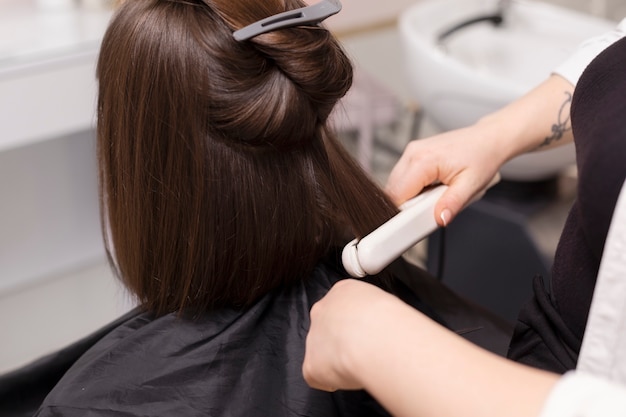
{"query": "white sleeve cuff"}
pixel 582 395
pixel 574 66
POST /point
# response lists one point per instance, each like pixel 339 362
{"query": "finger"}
pixel 447 207
pixel 409 177
pixel 311 372
pixel 462 191
pixel 314 383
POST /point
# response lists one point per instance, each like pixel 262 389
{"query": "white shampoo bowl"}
pixel 482 67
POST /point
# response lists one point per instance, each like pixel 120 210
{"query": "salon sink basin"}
pixel 483 66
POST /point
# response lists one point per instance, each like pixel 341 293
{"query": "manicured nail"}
pixel 445 216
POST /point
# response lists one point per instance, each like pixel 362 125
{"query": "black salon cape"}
pixel 226 363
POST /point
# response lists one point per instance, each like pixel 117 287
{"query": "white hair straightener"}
pixel 416 220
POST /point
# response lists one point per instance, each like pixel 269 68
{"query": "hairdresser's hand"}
pixel 466 159
pixel 346 326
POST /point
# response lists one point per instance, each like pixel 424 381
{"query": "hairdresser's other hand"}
pixel 363 337
pixel 343 328
pixel 465 159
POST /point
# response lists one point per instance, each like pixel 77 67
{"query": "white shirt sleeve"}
pixel 574 66
pixel 582 395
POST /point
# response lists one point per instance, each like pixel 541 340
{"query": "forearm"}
pixel 417 368
pixel 536 121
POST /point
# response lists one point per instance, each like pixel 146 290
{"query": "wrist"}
pixel 526 124
pixel 504 135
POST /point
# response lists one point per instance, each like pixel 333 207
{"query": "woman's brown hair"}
pixel 219 178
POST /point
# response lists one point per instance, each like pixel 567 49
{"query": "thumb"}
pixel 460 193
pixel 448 206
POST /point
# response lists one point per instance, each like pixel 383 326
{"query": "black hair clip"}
pixel 308 15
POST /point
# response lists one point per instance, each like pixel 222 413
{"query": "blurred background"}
pixel 55 284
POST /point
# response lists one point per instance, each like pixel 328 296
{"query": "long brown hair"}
pixel 219 178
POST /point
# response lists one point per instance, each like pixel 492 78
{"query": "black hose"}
pixel 495 19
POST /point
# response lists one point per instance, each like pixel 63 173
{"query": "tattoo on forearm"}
pixel 562 124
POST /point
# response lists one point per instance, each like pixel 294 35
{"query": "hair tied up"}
pixel 279 87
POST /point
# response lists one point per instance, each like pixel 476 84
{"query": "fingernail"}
pixel 445 216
